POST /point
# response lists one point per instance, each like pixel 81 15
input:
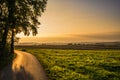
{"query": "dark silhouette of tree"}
pixel 19 16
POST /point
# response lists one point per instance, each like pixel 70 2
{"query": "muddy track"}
pixel 24 67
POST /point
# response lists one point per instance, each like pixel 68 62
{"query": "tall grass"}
pixel 79 64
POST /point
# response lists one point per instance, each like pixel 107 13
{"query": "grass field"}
pixel 79 64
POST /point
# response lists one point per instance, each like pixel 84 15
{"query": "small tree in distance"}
pixel 19 16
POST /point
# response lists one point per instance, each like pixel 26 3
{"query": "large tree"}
pixel 20 16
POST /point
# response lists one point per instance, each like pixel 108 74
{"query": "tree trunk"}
pixel 8 22
pixel 12 42
pixel 4 40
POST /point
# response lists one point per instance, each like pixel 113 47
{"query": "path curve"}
pixel 24 67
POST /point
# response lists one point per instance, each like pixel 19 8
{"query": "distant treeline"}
pixel 73 46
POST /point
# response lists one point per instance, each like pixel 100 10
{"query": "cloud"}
pixel 102 36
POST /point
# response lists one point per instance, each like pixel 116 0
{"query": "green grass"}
pixel 79 64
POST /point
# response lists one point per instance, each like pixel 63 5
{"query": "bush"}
pixel 23 50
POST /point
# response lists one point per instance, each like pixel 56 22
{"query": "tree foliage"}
pixel 19 16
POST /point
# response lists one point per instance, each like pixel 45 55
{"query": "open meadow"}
pixel 79 64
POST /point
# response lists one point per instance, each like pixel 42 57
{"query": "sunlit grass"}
pixel 79 64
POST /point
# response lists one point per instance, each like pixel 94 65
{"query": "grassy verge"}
pixel 5 60
pixel 79 64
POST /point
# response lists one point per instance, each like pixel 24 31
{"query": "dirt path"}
pixel 24 67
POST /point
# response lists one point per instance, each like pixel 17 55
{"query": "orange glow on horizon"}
pixel 61 19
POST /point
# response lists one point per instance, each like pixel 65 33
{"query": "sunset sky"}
pixel 78 21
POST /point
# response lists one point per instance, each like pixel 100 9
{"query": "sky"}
pixel 78 21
